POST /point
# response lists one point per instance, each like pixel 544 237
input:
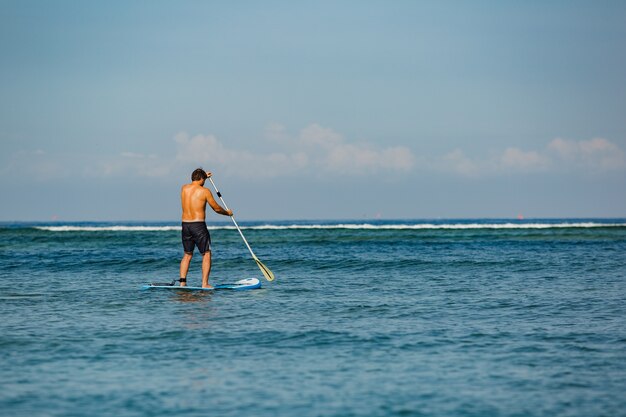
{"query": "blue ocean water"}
pixel 386 318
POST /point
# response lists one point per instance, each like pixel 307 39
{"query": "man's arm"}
pixel 216 207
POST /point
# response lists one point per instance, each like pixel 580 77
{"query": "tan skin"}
pixel 194 198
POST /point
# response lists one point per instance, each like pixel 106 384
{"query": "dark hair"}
pixel 198 175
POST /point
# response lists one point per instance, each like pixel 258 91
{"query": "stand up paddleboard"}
pixel 243 284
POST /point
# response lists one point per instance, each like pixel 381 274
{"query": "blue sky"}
pixel 313 110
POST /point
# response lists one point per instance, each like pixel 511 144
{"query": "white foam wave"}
pixel 108 228
pixel 432 226
pixel 352 226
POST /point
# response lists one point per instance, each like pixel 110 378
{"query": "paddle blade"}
pixel 269 275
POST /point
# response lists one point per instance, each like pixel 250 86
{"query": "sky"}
pixel 313 110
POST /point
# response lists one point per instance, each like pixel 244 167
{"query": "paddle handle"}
pixel 233 219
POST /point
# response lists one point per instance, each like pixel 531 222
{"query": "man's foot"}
pixel 183 282
pixel 207 286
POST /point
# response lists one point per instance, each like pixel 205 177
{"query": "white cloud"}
pixel 277 133
pixel 318 151
pixel 315 149
pixel 209 152
pixel 46 166
pixel 37 165
pixel 514 159
pixel 597 154
pixel 594 155
pixel 457 162
pixel 334 154
pixel 317 137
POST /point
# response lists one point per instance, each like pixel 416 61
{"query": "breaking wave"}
pixel 351 226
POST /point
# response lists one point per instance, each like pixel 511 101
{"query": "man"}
pixel 194 198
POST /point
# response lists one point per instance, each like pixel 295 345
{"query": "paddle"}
pixel 269 275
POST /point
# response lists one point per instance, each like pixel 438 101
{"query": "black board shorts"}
pixel 196 234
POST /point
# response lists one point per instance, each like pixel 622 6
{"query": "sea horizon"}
pixel 351 220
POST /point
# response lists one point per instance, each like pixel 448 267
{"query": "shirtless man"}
pixel 194 198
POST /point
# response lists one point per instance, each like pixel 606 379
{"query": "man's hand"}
pixel 229 212
pixel 208 174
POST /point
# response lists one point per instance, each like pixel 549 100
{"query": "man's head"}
pixel 198 175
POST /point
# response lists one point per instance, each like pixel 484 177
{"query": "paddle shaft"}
pixel 233 219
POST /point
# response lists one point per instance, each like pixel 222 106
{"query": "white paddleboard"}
pixel 242 284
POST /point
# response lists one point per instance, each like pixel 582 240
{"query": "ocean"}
pixel 365 318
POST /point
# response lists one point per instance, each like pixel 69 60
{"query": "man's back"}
pixel 193 199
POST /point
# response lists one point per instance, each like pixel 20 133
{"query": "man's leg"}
pixel 184 267
pixel 206 269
